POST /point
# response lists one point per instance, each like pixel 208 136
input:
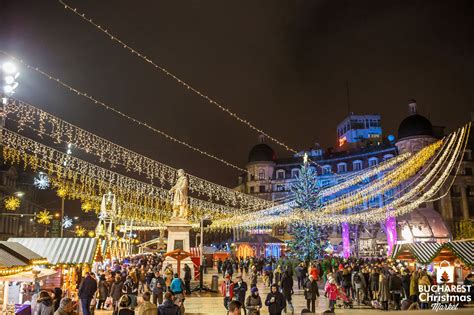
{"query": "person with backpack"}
pixel 254 302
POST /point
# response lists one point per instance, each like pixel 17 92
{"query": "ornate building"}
pixel 360 145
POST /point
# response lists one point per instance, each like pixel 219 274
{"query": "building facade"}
pixel 360 145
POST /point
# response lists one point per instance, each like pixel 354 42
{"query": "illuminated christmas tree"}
pixel 307 243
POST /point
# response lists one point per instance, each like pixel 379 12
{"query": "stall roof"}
pixel 424 253
pixel 7 260
pixel 21 252
pixel 28 276
pixel 62 250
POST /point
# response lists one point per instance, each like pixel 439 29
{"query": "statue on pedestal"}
pixel 180 196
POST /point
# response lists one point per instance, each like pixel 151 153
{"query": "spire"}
pixel 412 107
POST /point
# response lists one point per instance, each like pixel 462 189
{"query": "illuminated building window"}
pixel 326 169
pixel 280 174
pixel 342 167
pixel 387 157
pixel 357 165
pixel 295 173
pixel 261 174
pixel 373 161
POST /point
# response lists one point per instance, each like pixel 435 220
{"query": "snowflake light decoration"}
pixel 102 216
pixel 67 222
pixel 80 231
pixel 45 217
pixel 62 192
pixel 86 206
pixel 91 234
pixel 41 181
pixel 12 203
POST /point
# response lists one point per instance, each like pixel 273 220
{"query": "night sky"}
pixel 281 64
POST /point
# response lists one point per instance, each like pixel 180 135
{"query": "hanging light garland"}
pixel 45 124
pixel 12 203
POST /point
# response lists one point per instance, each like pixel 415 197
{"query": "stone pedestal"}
pixel 178 238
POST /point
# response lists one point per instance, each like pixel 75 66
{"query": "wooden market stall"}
pixel 260 245
pixel 457 257
pixel 19 272
pixel 71 257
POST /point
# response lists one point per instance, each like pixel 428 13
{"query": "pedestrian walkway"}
pixel 207 303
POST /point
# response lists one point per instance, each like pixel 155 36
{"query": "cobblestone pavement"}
pixel 207 303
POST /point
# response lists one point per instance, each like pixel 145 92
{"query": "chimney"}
pixel 412 107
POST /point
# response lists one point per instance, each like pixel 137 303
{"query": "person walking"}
pixel 287 287
pixel 116 291
pixel 275 301
pixel 227 291
pixel 384 291
pixel 103 292
pixel 187 279
pixel 44 304
pixel 395 287
pixel 300 275
pixel 87 289
pixel 157 287
pixel 147 308
pixel 253 277
pixel 177 287
pixel 240 289
pixel 253 303
pixel 331 292
pixel 310 293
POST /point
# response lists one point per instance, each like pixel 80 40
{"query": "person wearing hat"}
pixel 275 301
pixel 227 291
pixel 254 302
pixel 240 289
pixel 125 306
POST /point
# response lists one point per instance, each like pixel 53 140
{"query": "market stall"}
pixel 259 245
pixel 71 257
pixel 455 258
pixel 20 273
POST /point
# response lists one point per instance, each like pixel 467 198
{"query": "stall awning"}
pixel 464 250
pixel 7 260
pixel 62 250
pixel 28 276
pixel 425 253
pixel 21 252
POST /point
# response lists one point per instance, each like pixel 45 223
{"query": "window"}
pixel 252 189
pixel 357 165
pixel 342 167
pixel 468 171
pixel 295 173
pixel 326 169
pixel 261 174
pixel 470 191
pixel 387 157
pixel 262 188
pixel 373 161
pixel 280 188
pixel 281 174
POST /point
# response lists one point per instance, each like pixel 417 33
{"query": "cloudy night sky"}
pixel 283 65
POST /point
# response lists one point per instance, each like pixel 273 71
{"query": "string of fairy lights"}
pixel 429 185
pixel 183 83
pixel 60 131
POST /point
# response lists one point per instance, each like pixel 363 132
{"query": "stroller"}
pixel 346 301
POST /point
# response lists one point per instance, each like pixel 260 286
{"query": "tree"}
pixel 307 243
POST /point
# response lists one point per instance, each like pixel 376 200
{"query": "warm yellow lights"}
pixel 12 203
pixel 44 217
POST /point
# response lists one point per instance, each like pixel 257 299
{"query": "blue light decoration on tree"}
pixel 307 243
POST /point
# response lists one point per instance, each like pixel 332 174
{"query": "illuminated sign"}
pixel 342 141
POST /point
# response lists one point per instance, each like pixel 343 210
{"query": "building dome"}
pixel 261 153
pixel 414 124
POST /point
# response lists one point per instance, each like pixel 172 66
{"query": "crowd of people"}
pixel 143 284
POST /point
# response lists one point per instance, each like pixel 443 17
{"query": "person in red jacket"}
pixel 227 291
pixel 313 271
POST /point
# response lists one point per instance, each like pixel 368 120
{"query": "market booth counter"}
pixel 455 258
pixel 20 275
pixel 70 257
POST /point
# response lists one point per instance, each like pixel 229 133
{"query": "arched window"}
pixel 326 169
pixel 357 165
pixel 280 174
pixel 342 167
pixel 373 161
pixel 295 173
pixel 261 174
